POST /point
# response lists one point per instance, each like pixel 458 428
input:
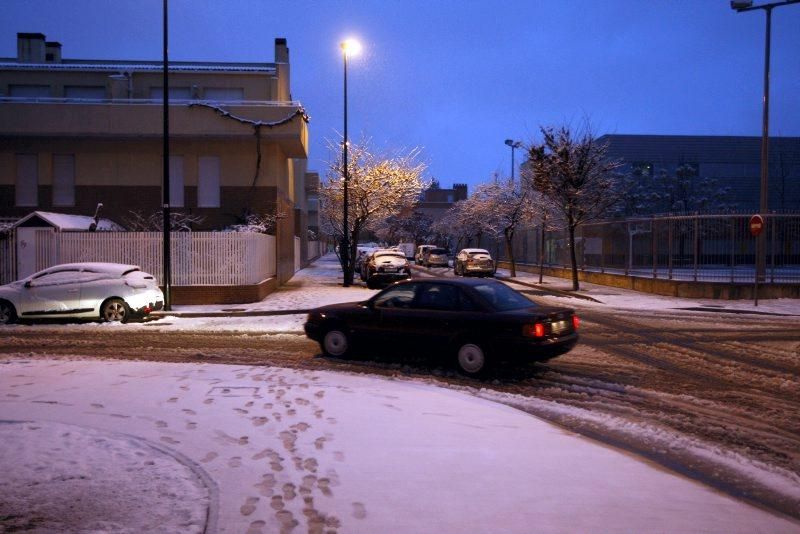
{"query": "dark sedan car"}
pixel 477 322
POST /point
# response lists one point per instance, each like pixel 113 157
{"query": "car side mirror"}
pixel 27 284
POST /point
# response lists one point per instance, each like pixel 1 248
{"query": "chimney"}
pixel 30 47
pixel 52 52
pixel 281 50
pixel 283 92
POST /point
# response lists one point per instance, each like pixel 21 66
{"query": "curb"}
pixel 242 313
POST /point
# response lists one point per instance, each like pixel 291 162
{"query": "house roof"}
pixel 68 223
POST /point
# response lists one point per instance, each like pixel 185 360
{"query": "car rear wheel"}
pixel 8 314
pixel 335 343
pixel 471 358
pixel 115 311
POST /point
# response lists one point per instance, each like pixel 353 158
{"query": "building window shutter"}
pixel 63 180
pixel 27 186
pixel 176 181
pixel 208 182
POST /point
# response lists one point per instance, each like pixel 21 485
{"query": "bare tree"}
pixel 138 221
pixel 378 188
pixel 504 208
pixel 573 173
pixel 414 228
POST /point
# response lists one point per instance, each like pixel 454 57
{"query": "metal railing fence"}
pixel 716 248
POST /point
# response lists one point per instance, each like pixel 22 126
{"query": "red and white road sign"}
pixel 756 224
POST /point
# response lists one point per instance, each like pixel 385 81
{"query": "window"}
pixel 208 182
pixel 438 297
pixel 63 180
pixel 88 92
pixel 27 186
pixel 396 297
pixel 175 93
pixel 29 91
pixel 643 168
pixel 176 181
pixel 224 93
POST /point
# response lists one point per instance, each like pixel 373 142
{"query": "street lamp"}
pixel 516 144
pixel 350 47
pixel 761 241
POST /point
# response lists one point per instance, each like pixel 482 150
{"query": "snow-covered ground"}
pixel 265 449
pixel 135 446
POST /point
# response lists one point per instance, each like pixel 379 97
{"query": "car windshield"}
pixel 438 251
pixel 503 298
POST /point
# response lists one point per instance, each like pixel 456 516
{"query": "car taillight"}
pixel 533 330
pixel 575 322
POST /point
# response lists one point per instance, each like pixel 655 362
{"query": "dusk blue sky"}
pixel 457 78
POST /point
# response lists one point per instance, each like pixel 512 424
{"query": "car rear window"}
pixel 503 298
pixel 438 251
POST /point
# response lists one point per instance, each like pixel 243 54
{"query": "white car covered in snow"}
pixel 110 292
pixel 386 266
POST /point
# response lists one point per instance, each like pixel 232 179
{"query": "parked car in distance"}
pixel 418 257
pixel 436 257
pixel 385 266
pixel 408 249
pixel 362 255
pixel 110 292
pixel 476 323
pixel 474 261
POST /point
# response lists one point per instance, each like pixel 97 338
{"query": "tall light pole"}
pixel 350 47
pixel 515 144
pixel 761 241
pixel 167 277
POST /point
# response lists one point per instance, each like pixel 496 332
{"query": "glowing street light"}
pixel 350 48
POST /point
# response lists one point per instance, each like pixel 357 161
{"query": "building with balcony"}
pixel 76 133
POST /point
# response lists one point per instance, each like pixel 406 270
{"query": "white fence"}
pixel 315 249
pixel 197 258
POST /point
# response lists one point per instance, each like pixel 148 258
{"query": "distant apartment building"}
pixel 734 161
pixel 75 133
pixel 435 200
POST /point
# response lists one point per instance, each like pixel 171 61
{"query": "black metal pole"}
pixel 167 278
pixel 763 204
pixel 348 277
pixel 512 163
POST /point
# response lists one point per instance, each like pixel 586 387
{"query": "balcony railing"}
pixel 145 101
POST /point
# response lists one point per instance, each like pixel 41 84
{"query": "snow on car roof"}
pixel 117 269
pixel 389 252
pixel 475 250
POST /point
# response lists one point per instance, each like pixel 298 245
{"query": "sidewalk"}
pixel 325 276
pixel 136 446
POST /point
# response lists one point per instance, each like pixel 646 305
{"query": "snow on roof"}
pixel 475 251
pixel 72 223
pixel 141 66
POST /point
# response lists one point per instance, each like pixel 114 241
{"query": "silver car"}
pixel 110 292
pixel 436 257
pixel 474 261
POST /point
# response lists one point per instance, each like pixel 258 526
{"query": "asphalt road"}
pixel 724 381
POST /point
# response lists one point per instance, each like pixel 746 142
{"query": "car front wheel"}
pixel 8 314
pixel 471 358
pixel 115 311
pixel 335 343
